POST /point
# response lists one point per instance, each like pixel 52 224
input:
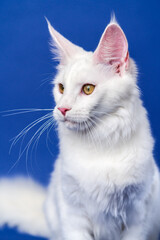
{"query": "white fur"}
pixel 105 185
pixel 21 205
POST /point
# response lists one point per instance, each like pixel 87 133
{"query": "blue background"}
pixel 26 68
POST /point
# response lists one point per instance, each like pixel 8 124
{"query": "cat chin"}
pixel 71 125
pixel 75 126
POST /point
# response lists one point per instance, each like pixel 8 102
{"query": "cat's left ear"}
pixel 63 49
pixel 113 48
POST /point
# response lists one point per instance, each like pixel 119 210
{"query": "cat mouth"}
pixel 70 121
pixel 79 126
pixel 72 125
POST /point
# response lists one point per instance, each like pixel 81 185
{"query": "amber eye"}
pixel 61 88
pixel 88 89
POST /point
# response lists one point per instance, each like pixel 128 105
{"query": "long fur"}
pixel 105 184
pixel 21 206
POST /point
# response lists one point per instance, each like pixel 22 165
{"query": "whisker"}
pixel 28 144
pixel 36 138
pixel 48 138
pixel 43 125
pixel 35 145
pixel 22 111
pixel 27 128
pixel 46 80
pixel 40 132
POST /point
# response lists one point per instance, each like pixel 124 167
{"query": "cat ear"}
pixel 113 48
pixel 62 48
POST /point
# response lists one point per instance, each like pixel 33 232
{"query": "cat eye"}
pixel 88 89
pixel 61 88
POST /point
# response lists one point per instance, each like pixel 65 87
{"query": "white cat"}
pixel 105 185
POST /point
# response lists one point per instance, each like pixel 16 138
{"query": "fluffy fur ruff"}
pixel 105 185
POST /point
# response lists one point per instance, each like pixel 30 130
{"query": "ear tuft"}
pixel 61 47
pixel 113 47
pixel 56 49
pixel 113 19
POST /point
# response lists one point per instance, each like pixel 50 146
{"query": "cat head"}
pixel 93 89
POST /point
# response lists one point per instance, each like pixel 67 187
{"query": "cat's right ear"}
pixel 62 48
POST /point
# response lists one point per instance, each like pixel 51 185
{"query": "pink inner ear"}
pixel 113 46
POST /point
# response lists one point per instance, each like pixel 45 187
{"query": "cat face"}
pixel 90 87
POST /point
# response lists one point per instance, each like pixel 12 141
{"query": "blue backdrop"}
pixel 26 68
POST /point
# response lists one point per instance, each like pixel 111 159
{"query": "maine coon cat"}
pixel 105 183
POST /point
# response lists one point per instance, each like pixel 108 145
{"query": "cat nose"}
pixel 64 110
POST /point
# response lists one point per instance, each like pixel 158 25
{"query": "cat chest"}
pixel 99 169
pixel 103 185
pixel 102 201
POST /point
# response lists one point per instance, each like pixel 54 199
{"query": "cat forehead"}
pixel 82 70
pixel 78 70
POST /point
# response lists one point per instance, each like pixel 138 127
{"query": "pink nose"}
pixel 63 110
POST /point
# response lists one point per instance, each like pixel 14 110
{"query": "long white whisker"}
pixel 35 145
pixel 27 128
pixel 39 133
pixel 28 144
pixel 48 138
pixel 22 111
pixel 36 137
